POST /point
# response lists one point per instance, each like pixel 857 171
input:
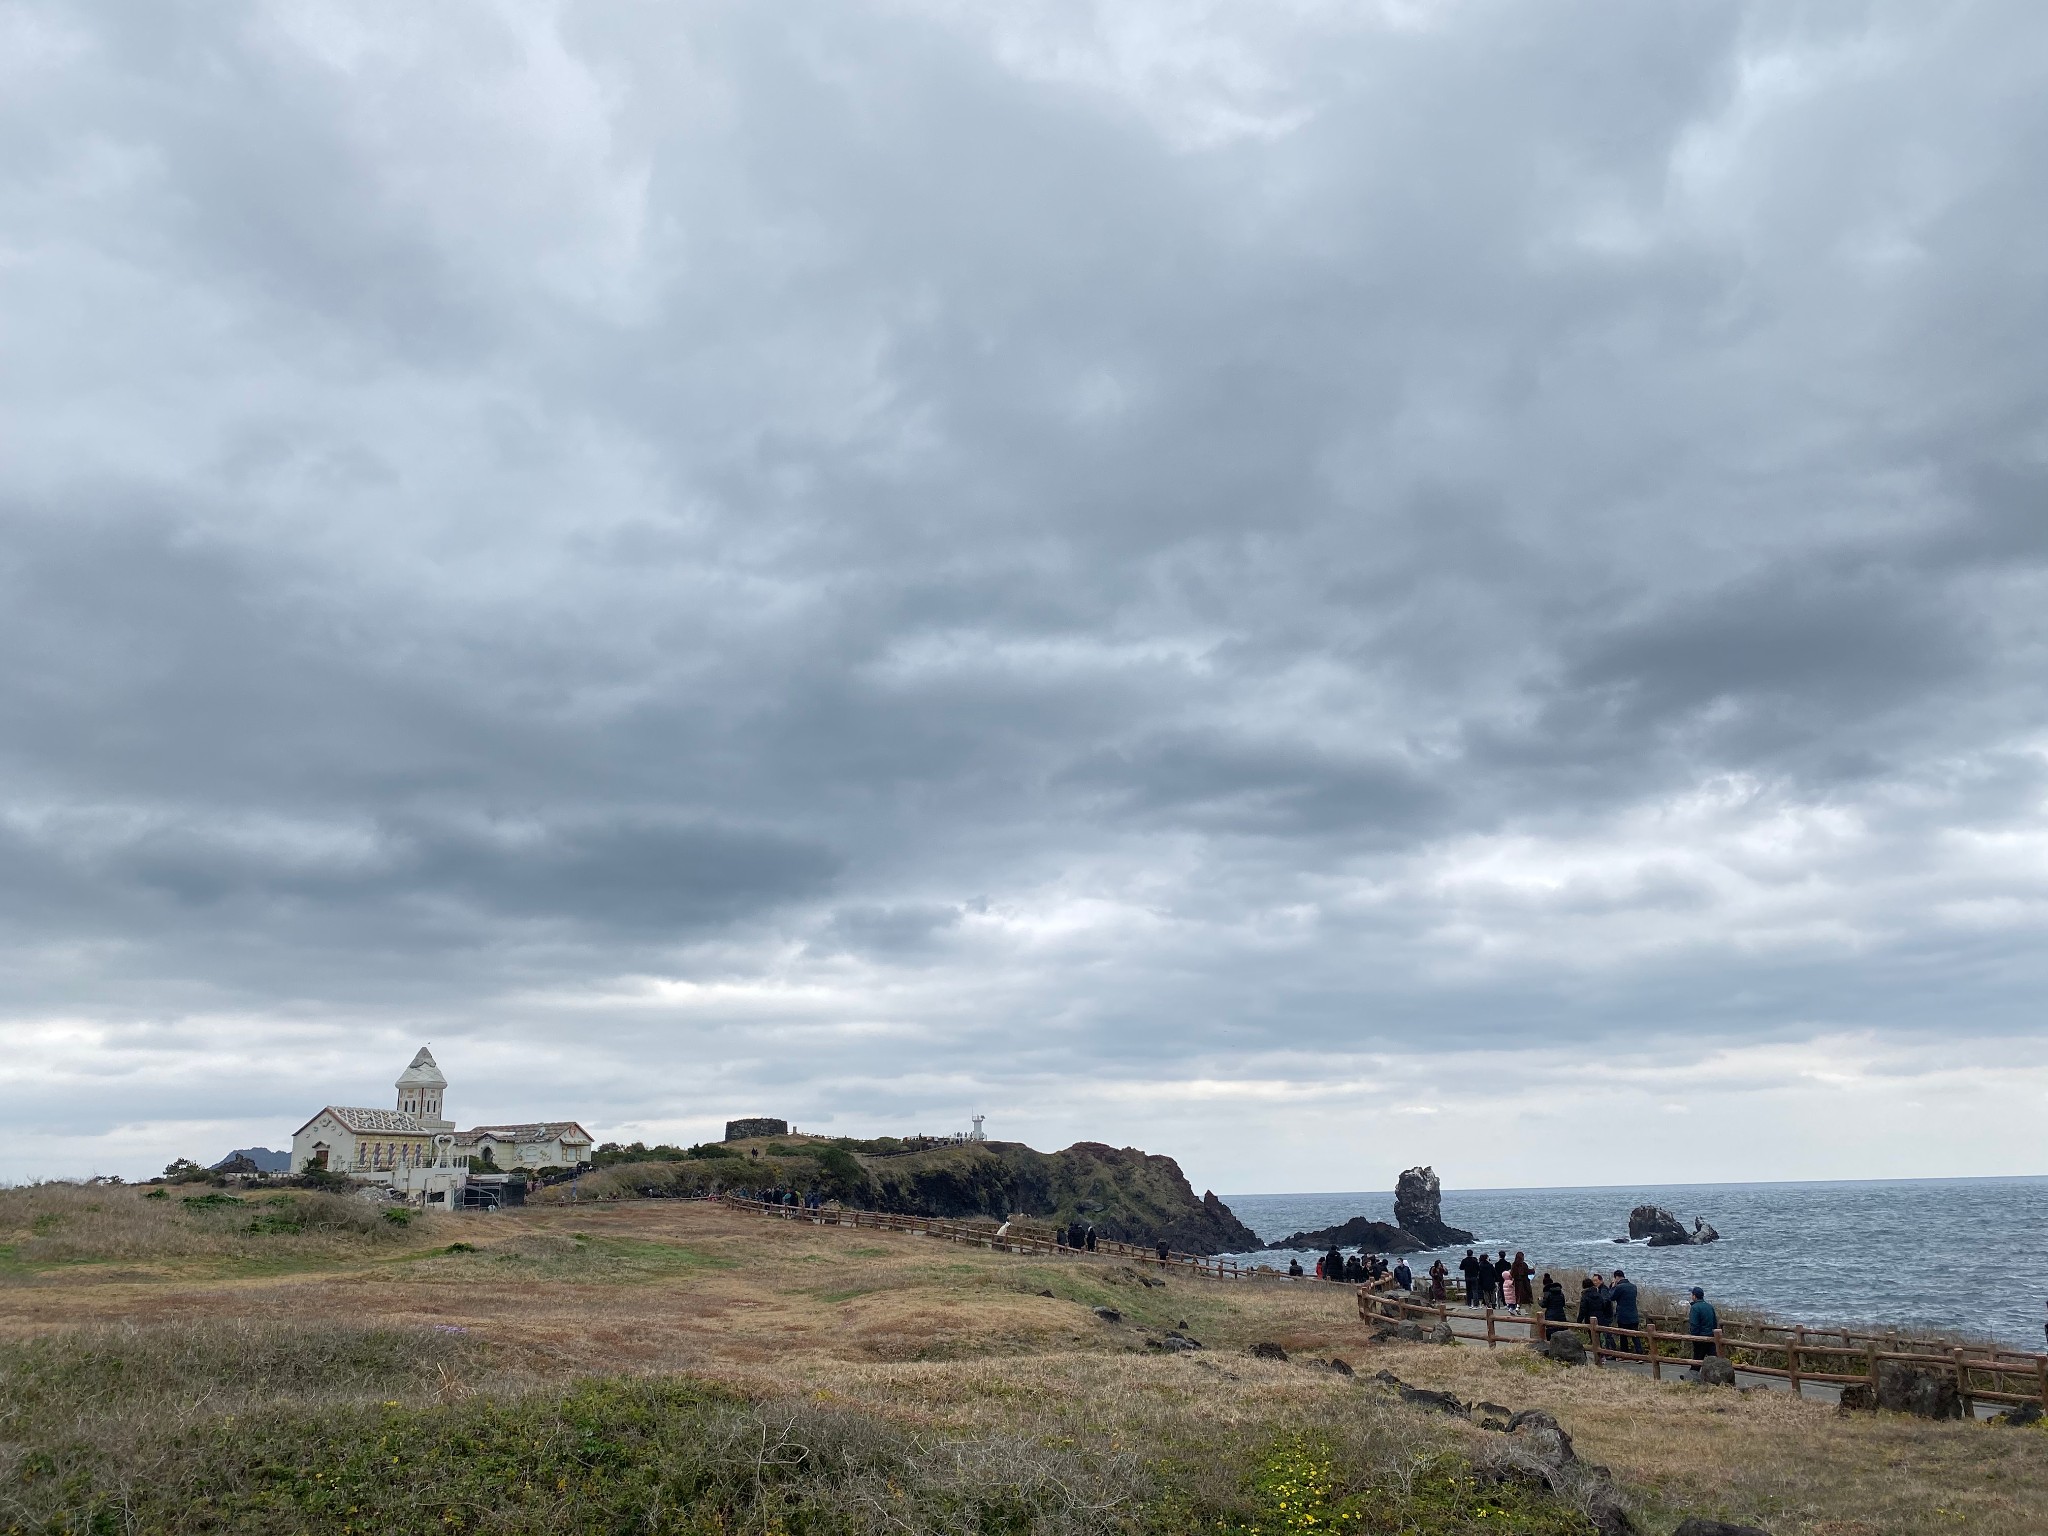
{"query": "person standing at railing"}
pixel 1627 1310
pixel 1439 1281
pixel 1294 1269
pixel 1589 1305
pixel 1489 1280
pixel 1520 1273
pixel 1553 1305
pixel 1469 1267
pixel 1333 1265
pixel 1404 1277
pixel 1702 1322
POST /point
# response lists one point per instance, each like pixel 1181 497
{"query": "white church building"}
pixel 415 1149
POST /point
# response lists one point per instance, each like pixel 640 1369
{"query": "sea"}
pixel 1956 1255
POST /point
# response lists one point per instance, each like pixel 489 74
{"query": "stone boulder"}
pixel 1360 1232
pixel 1664 1230
pixel 1903 1388
pixel 1716 1372
pixel 1654 1222
pixel 1109 1314
pixel 1564 1348
pixel 1268 1351
pixel 2019 1416
pixel 1418 1208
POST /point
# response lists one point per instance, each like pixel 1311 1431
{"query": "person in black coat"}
pixel 1488 1278
pixel 1627 1310
pixel 1469 1267
pixel 1553 1305
pixel 1589 1305
pixel 1333 1266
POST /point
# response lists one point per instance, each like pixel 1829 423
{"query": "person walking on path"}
pixel 1553 1305
pixel 1627 1310
pixel 1519 1272
pixel 1470 1267
pixel 1701 1321
pixel 1439 1281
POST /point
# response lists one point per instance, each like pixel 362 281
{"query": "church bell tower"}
pixel 420 1087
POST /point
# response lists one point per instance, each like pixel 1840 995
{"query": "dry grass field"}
pixel 128 1322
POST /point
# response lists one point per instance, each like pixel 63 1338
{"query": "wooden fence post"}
pixel 1656 1355
pixel 2041 1371
pixel 1963 1384
pixel 1792 1357
pixel 1489 1327
pixel 1872 1347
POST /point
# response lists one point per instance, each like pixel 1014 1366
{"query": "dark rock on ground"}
pixel 1418 1208
pixel 1442 1402
pixel 1536 1418
pixel 1177 1342
pixel 1564 1348
pixel 1857 1398
pixel 1109 1314
pixel 1716 1372
pixel 1341 1366
pixel 2019 1416
pixel 1265 1351
pixel 1903 1388
pixel 1698 1527
pixel 1358 1232
pixel 1045 1293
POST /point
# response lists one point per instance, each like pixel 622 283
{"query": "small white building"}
pixel 542 1144
pixel 415 1149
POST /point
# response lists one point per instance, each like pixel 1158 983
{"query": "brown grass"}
pixel 931 1333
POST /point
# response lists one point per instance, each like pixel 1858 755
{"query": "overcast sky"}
pixel 1311 587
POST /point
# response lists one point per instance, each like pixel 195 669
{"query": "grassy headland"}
pixel 1135 1196
pixel 669 1366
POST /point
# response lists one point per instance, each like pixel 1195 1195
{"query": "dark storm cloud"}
pixel 938 546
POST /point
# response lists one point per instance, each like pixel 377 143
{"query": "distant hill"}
pixel 1127 1194
pixel 254 1160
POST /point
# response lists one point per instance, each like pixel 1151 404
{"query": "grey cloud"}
pixel 1338 535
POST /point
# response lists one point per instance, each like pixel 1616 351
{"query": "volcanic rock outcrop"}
pixel 1418 1208
pixel 1359 1232
pixel 1665 1230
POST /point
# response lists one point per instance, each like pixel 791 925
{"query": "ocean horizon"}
pixel 1967 1255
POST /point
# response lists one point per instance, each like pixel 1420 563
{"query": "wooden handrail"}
pixel 1743 1353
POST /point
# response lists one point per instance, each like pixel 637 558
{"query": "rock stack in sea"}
pixel 1418 1208
pixel 1665 1230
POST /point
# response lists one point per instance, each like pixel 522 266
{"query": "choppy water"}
pixel 1963 1254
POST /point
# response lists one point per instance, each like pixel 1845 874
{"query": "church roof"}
pixel 423 1073
pixel 542 1130
pixel 359 1119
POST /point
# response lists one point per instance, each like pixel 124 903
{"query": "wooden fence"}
pixel 1794 1353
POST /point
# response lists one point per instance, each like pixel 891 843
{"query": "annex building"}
pixel 413 1147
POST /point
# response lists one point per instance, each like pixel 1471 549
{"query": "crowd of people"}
pixel 1609 1305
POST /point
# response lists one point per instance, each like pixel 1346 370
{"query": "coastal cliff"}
pixel 1125 1193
